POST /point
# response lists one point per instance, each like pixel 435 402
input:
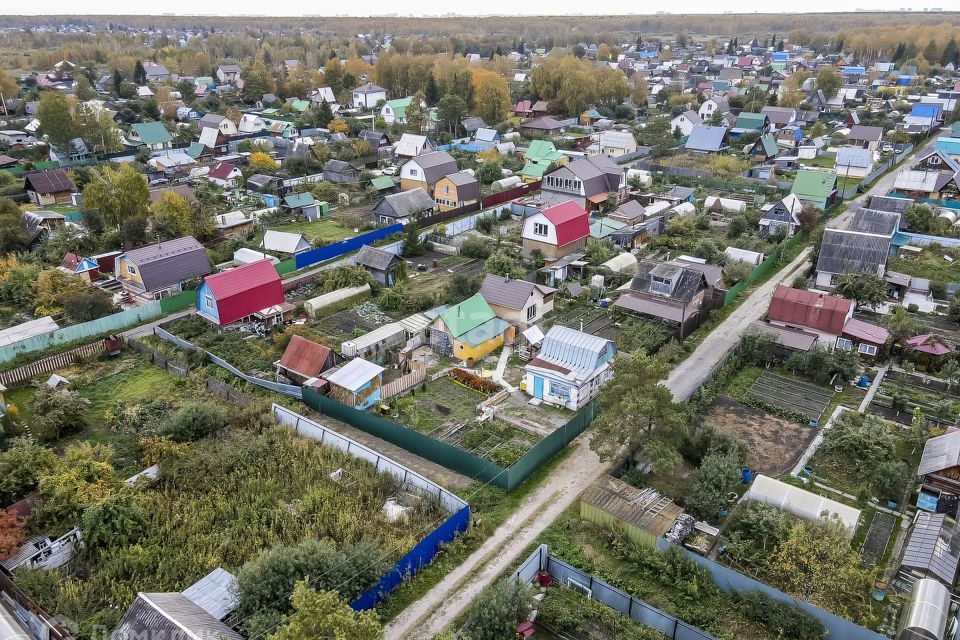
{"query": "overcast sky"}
pixel 440 7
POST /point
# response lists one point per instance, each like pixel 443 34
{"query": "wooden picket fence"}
pixel 27 372
pixel 403 383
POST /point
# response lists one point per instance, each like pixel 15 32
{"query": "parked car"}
pixel 389 171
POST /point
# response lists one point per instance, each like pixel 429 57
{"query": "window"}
pixel 132 270
pixel 560 390
pixel 446 189
pixel 867 349
pixel 208 301
pixel 934 160
pixel 845 344
pixel 531 312
pixel 540 229
pixel 414 173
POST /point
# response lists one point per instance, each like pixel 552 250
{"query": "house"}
pixel 569 368
pixel 170 615
pixel 614 143
pixel 356 384
pixel 630 212
pixel 8 162
pixel 711 106
pixel 783 214
pixel 750 122
pixel 396 110
pixel 685 122
pixel 160 270
pixel 223 124
pixel 470 330
pixel 228 73
pixel 519 302
pixel 153 135
pixel 323 94
pixel 854 162
pixel 368 95
pixel 456 190
pixel 403 207
pixel 155 72
pixel 819 188
pixel 304 359
pixel 927 184
pixel 864 136
pixel 541 156
pixel 936 160
pixel 424 170
pixel 340 172
pixel 939 469
pixel 285 242
pixel 86 269
pixel 779 117
pixel 224 174
pixel 923 118
pixel 556 231
pixel 234 224
pixel 411 146
pixel 545 127
pixel 378 140
pixel 705 138
pixel 385 267
pixel 236 294
pixel 643 514
pixel 677 293
pixel 249 123
pixel 16 138
pixel 861 247
pixel 589 182
pixel 765 147
pixel 51 186
pixel 41 225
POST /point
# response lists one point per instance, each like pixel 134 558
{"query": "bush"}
pixel 58 413
pixel 495 613
pixel 475 247
pixel 784 620
pixel 485 224
pixel 194 421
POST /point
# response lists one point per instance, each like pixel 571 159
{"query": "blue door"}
pixel 537 387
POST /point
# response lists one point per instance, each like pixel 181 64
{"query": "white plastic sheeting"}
pixel 622 263
pixel 800 502
pixel 713 203
pixel 925 618
pixel 314 305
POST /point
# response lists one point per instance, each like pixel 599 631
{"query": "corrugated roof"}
pixel 842 251
pixel 304 356
pixel 49 181
pixel 705 137
pixel 939 453
pixel 374 258
pixel 785 336
pixel 152 132
pixel 933 546
pixel 865 331
pixel 871 221
pixel 809 309
pixel 355 374
pixel 244 290
pixel 467 315
pixel 646 508
pixel 578 352
pixel 171 616
pixel 284 241
pixel 814 185
pixel 215 593
pixel 854 157
pixel 509 292
pixel 486 331
pixel 169 262
pixel 570 220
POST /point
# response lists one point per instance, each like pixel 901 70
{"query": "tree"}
pixel 638 414
pixel 491 96
pixel 498 609
pixel 56 119
pixel 322 614
pixel 89 304
pixel 450 111
pixel 816 564
pixel 21 467
pixel 866 289
pixel 260 162
pixel 13 230
pixel 139 74
pixel 117 81
pixel 900 325
pixel 828 81
pixel 8 86
pixel 256 82
pixel 807 218
pixel 118 193
pixel 114 522
pixel 323 114
pixel 98 130
pixel 640 92
pixel 598 251
pixel 416 113
pixel 171 215
pixel 503 264
pixel 50 289
pixel 489 171
pixel 339 126
pixel 57 413
pixel 412 245
pixel 82 477
pixel 712 481
pixel 950 53
pixel 931 53
pixel 12 534
pixel 194 421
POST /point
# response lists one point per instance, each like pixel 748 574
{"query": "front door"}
pixel 537 387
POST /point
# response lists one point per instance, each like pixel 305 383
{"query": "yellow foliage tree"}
pixel 262 162
pixel 491 96
pixel 338 126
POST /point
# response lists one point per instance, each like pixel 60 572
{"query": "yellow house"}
pixel 469 331
pixel 456 190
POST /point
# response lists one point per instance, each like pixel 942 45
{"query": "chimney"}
pixel 819 301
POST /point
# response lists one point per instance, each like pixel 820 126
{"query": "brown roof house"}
pixel 519 302
pixel 589 182
pixel 304 359
pixel 456 190
pixel 939 469
pixel 674 292
pixel 865 137
pixel 48 187
pixel 160 270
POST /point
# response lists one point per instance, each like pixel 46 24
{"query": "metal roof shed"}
pixel 355 374
pixel 800 502
pixel 215 593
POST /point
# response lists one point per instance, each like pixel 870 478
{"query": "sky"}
pixel 441 7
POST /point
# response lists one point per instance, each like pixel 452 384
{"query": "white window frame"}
pixel 867 349
pixel 414 173
pixel 845 344
pixel 132 270
pixel 531 312
pixel 541 229
pixel 208 300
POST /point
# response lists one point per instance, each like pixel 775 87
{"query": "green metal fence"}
pixel 178 302
pixel 285 267
pixel 449 456
pixel 758 272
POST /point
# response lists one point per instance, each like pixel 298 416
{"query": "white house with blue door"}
pixel 569 368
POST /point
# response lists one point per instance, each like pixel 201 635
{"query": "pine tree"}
pixel 432 94
pixel 932 52
pixel 773 41
pixel 139 74
pixel 949 52
pixel 117 80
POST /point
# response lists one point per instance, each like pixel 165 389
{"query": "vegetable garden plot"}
pixel 791 395
pixel 877 538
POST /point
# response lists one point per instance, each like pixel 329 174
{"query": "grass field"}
pixel 327 230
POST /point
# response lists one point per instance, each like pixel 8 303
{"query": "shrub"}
pixel 475 247
pixel 784 620
pixel 473 381
pixel 497 610
pixel 486 223
pixel 58 413
pixel 194 421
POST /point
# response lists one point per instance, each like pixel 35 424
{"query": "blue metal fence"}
pixel 330 251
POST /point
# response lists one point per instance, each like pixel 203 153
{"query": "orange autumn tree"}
pixel 11 534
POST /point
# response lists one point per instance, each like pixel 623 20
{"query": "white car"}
pixel 389 171
pixel 887 148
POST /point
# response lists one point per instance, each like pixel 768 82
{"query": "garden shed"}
pixel 355 384
pixel 644 514
pixel 800 502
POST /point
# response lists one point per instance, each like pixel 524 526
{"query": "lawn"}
pixel 827 161
pixel 323 231
pixel 441 401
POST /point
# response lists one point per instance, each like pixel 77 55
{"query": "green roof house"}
pixel 819 188
pixel 300 105
pixel 765 147
pixel 748 121
pixel 204 80
pixel 469 330
pixel 152 134
pixel 540 156
pixel 395 110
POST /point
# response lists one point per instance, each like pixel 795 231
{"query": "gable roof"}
pixel 467 315
pixel 369 88
pixel 304 356
pixel 244 290
pixel 939 453
pixel 570 221
pixel 284 241
pixel 435 165
pixel 705 137
pixel 410 144
pixel 152 132
pixel 890 203
pixel 221 171
pixel 355 374
pixel 49 181
pixel 865 132
pixel 883 223
pixel 854 157
pixel 945 159
pixel 399 106
pixel 574 353
pixel 748 120
pixel 597 174
pixel 545 123
pixel 813 185
pixel 298 200
pixel 182 190
pixel 375 258
pixel 172 616
pixel 923 181
pixel 803 308
pixel 510 292
pixel 216 593
pixel 169 262
pixel 845 252
pixel 405 203
pixel 468 187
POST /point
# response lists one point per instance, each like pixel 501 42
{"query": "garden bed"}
pixel 791 396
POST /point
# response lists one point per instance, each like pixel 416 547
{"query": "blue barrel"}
pixel 864 382
pixel 746 475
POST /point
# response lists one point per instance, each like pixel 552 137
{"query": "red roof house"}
pixel 224 174
pixel 556 231
pixel 232 295
pixel 304 359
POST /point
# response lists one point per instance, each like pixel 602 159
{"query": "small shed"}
pixel 285 242
pixel 374 345
pixel 304 359
pixel 644 514
pixel 355 384
pixel 385 267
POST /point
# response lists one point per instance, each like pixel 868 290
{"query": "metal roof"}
pixel 171 616
pixel 784 336
pixel 933 547
pixel 842 251
pixel 27 329
pixel 882 223
pixel 374 258
pixel 854 157
pixel 510 292
pixel 354 374
pixel 579 354
pixel 645 508
pixel 705 137
pixel 284 241
pixel 169 262
pixel 215 593
pixel 939 453
pixel 405 203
